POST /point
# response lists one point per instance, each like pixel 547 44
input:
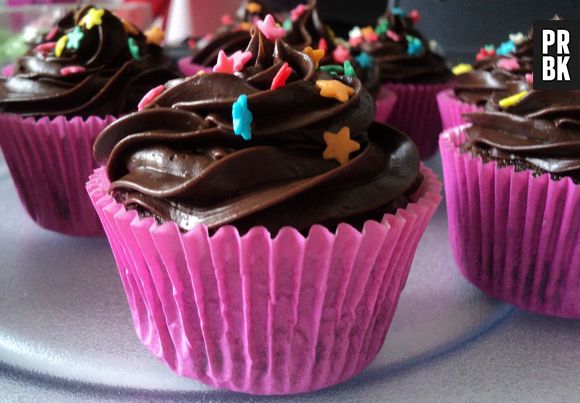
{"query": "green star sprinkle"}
pixel 134 49
pixel 74 38
pixel 382 27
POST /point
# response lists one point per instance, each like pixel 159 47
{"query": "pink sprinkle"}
pixel 340 54
pixel 68 70
pixel 297 12
pixel 392 35
pixel 50 36
pixel 150 97
pixel 323 45
pixel 45 47
pixel 270 29
pixel 414 16
pixel 207 37
pixel 224 64
pixel 227 19
pixel 240 59
pixel 508 64
pixel 357 40
pixel 530 78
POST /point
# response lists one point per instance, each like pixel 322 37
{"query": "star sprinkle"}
pixel 485 53
pixel 505 48
pixel 315 55
pixel 517 38
pixel 281 76
pixel 398 11
pixel 68 70
pixel 134 49
pixel 355 32
pixel 339 145
pixel 415 16
pixel 155 36
pixel 297 12
pixel 341 54
pixel 224 64
pixel 150 97
pixel 414 46
pixel 287 25
pixel 461 68
pixel 92 18
pixel 253 8
pixel 245 26
pixel 60 45
pixel 509 64
pixel 242 118
pixel 365 60
pixel 270 29
pixel 335 89
pixel 393 36
pixel 369 34
pixel 512 100
pixel 241 59
pixel 74 38
pixel 348 69
pixel 382 27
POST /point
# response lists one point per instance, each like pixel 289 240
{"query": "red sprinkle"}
pixel 484 54
pixel 46 47
pixel 150 97
pixel 227 19
pixel 50 36
pixel 191 43
pixel 68 70
pixel 323 45
pixel 281 76
pixel 415 16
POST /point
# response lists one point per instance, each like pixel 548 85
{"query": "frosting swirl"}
pixel 402 53
pixel 540 132
pixel 179 159
pixel 92 65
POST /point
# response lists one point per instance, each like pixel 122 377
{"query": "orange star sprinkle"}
pixel 253 8
pixel 129 27
pixel 155 35
pixel 315 55
pixel 334 89
pixel 339 146
pixel 245 26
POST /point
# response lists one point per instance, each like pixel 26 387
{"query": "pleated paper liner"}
pixel 416 114
pixel 513 235
pixel 188 68
pixel 385 102
pixel 451 109
pixel 264 315
pixel 50 161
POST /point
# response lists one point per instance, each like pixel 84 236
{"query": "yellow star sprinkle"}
pixel 246 26
pixel 60 44
pixel 253 8
pixel 129 27
pixel 335 89
pixel 461 68
pixel 155 36
pixel 339 145
pixel 315 55
pixel 93 18
pixel 512 100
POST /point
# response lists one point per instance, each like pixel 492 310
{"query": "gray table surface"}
pixel 66 336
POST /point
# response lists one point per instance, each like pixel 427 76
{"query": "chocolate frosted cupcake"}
pixel 232 36
pixel 492 71
pixel 91 68
pixel 410 69
pixel 512 185
pixel 295 215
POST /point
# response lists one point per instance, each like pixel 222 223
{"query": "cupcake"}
pixel 409 68
pixel 307 31
pixel 62 94
pixel 512 184
pixel 232 36
pixel 492 70
pixel 263 225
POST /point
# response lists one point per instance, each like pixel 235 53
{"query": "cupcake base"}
pixel 50 160
pixel 416 114
pixel 264 315
pixel 451 109
pixel 513 235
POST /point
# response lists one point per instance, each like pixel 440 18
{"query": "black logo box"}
pixel 573 28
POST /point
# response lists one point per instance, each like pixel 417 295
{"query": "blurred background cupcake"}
pixel 88 69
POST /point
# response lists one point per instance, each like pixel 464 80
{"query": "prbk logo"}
pixel 557 55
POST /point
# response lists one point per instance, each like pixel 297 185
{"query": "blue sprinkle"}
pixel 505 48
pixel 242 118
pixel 397 11
pixel 365 60
pixel 414 46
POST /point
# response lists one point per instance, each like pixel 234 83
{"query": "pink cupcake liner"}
pixel 188 68
pixel 258 314
pixel 513 235
pixel 416 114
pixel 7 70
pixel 451 109
pixel 50 161
pixel 385 103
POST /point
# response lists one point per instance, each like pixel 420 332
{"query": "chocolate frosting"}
pixel 540 133
pixel 179 159
pixel 229 37
pixel 112 80
pixel 395 64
